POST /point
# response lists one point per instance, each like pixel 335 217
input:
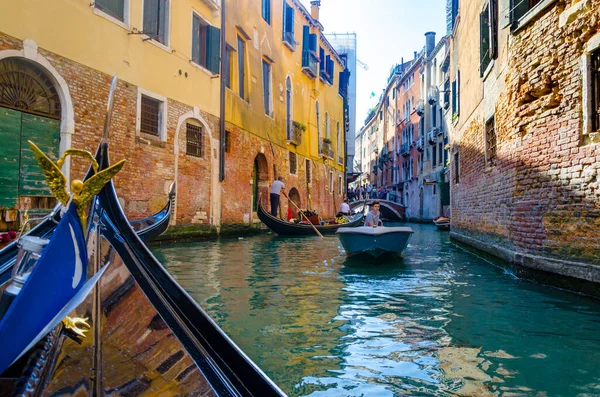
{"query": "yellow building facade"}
pixel 167 113
pixel 284 102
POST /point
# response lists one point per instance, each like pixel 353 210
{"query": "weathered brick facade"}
pixel 238 183
pixel 538 202
pixel 151 164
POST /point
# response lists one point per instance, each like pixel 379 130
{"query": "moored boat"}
pixel 375 242
pixel 286 228
pixel 442 222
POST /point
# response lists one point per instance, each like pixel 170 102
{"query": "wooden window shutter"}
pixel 453 97
pixel 493 29
pixel 458 93
pixel 288 18
pixel 305 38
pixel 313 42
pixel 213 45
pixel 484 41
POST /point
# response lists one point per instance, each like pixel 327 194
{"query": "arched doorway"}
pixel 30 109
pixel 294 196
pixel 260 181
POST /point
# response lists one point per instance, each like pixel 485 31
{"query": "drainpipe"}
pixel 223 68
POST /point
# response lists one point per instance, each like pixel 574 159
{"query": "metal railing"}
pixel 310 63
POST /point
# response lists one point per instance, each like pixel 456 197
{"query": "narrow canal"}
pixel 442 321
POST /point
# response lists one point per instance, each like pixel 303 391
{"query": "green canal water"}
pixel 443 321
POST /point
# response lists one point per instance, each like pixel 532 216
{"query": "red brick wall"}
pixel 542 194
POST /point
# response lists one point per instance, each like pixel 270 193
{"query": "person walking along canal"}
pixel 276 188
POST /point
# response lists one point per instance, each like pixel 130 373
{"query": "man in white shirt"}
pixel 345 208
pixel 276 188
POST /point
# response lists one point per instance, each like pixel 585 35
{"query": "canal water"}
pixel 442 321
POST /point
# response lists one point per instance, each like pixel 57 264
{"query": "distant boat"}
pixel 286 228
pixel 375 242
pixel 442 222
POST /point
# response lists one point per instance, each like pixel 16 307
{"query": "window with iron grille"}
pixel 150 117
pixel 293 163
pixel 114 8
pixel 456 167
pixel 194 145
pixel 308 172
pixel 331 181
pixel 490 141
pixel 595 63
pixel 227 141
pixel 156 20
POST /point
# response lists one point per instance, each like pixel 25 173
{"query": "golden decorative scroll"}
pixel 81 192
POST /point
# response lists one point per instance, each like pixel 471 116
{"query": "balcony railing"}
pixel 310 63
pixel 420 107
pixel 420 144
pixel 405 149
pixel 326 148
pixel 289 41
pixel 432 135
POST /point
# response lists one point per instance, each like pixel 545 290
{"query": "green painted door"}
pixel 45 133
pixel 10 136
pixel 20 174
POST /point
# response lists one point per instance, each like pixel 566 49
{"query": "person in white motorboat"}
pixel 372 218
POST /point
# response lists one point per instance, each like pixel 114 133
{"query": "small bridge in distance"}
pixel 390 210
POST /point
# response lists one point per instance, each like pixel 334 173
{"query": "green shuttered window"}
pixel 206 44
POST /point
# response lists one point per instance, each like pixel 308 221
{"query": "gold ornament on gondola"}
pixel 77 326
pixel 81 192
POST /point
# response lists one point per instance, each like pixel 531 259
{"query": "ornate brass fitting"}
pixel 77 326
pixel 81 192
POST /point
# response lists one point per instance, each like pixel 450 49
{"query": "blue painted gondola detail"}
pixel 58 275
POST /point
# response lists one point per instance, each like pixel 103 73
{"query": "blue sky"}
pixel 386 31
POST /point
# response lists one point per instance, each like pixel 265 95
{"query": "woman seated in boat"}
pixel 372 218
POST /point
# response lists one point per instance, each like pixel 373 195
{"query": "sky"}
pixel 386 31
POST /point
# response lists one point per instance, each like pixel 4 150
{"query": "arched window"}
pixel 288 106
pixel 26 88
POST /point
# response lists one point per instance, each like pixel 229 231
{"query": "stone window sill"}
pixel 204 69
pixel 487 70
pixel 112 19
pixel 150 140
pixel 532 15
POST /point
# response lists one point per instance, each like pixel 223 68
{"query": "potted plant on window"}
pixel 297 129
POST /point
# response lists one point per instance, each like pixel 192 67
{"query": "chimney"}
pixel 429 42
pixel 415 55
pixel 314 9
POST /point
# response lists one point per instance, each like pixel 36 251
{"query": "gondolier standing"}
pixel 276 188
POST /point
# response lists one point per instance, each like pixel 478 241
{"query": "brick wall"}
pixel 541 196
pixel 143 183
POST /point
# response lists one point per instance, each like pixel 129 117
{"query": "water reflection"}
pixel 440 321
